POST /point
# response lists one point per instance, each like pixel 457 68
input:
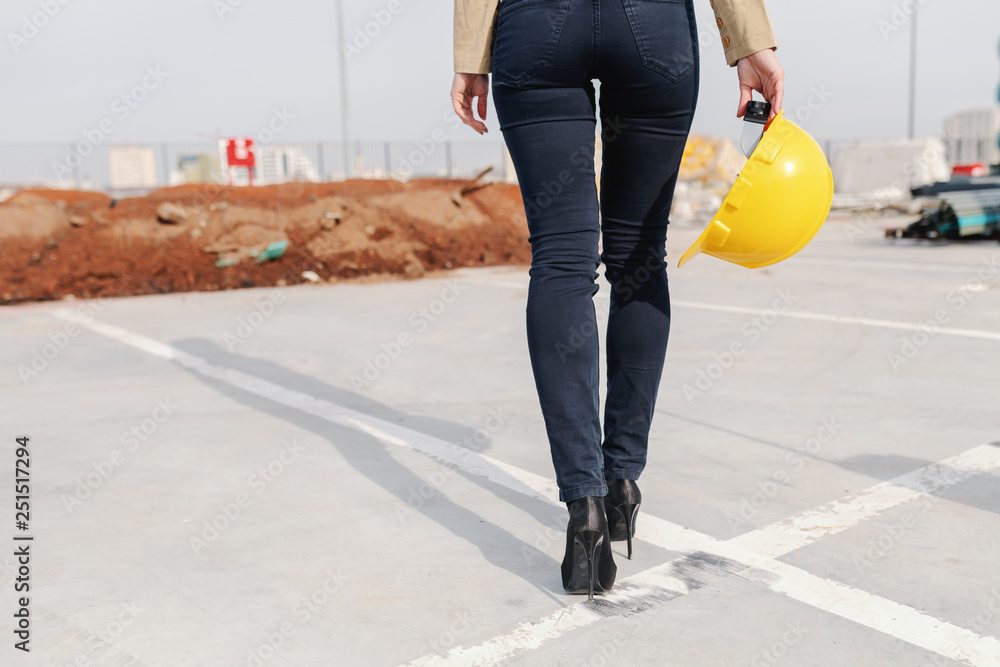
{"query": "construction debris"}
pixel 171 214
pixel 386 229
pixel 470 185
pixel 227 259
pixel 272 251
pixel 331 219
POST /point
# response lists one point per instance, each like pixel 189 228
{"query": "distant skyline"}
pixel 228 66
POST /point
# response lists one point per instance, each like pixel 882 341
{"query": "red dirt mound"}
pixel 58 243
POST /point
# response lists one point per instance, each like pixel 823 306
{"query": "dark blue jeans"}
pixel 546 54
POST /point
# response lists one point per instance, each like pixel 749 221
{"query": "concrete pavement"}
pixel 358 473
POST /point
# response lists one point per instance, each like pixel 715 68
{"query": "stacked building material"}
pixel 958 183
pixel 961 214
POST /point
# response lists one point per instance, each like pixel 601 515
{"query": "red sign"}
pixel 240 153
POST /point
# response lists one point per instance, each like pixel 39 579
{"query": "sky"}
pixel 208 68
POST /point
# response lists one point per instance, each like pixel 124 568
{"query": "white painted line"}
pixel 874 264
pixel 939 268
pixel 807 527
pixel 886 616
pixel 820 317
pixel 889 617
pixel 500 283
pixel 631 595
pixel 507 476
pixel 844 319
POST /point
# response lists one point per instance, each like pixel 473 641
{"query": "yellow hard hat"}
pixel 779 201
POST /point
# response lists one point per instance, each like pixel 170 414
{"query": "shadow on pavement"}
pixel 374 459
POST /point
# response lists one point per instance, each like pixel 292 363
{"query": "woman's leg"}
pixel 647 104
pixel 549 121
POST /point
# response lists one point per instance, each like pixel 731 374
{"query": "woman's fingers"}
pixel 471 120
pixel 777 94
pixel 460 110
pixel 762 72
pixel 463 107
pixel 745 97
pixel 463 91
pixel 482 108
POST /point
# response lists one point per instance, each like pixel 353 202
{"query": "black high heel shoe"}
pixel 588 565
pixel 622 503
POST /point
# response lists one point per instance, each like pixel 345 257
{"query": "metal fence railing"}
pixel 145 166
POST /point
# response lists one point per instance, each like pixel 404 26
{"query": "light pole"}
pixel 344 107
pixel 913 70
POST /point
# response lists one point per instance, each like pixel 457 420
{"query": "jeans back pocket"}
pixel 525 38
pixel 664 32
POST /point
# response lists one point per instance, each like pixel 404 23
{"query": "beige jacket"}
pixel 744 26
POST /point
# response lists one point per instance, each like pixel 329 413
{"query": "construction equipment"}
pixel 779 201
pixel 961 214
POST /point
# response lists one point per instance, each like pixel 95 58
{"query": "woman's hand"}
pixel 762 72
pixel 464 89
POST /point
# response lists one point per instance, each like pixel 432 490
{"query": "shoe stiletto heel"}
pixel 588 565
pixel 622 504
pixel 589 541
pixel 624 522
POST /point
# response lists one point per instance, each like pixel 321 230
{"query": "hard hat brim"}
pixel 780 200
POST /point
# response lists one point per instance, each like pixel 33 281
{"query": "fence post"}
pixel 447 159
pixel 166 166
pixel 320 162
pixel 387 158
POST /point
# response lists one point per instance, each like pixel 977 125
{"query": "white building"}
pixel 282 164
pixel 131 168
pixel 274 164
pixel 971 137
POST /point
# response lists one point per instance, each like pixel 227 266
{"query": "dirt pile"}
pixel 57 243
